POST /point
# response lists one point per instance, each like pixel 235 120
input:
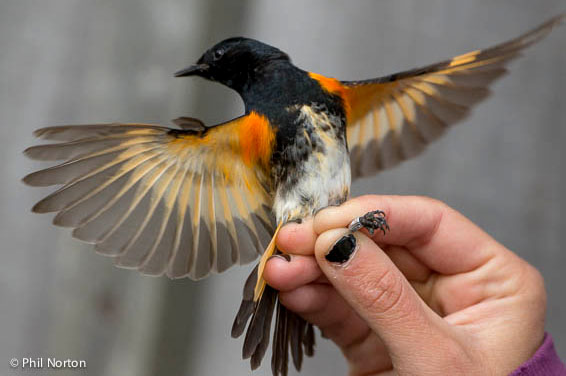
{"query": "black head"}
pixel 234 62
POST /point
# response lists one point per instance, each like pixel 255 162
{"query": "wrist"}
pixel 544 362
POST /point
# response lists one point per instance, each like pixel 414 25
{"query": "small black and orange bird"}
pixel 196 199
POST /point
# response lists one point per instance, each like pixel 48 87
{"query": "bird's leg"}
pixel 371 221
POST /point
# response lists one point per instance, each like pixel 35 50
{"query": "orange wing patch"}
pixel 251 137
pixel 361 99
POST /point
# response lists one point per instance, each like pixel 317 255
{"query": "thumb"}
pixel 373 286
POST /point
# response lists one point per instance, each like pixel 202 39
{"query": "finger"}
pixel 322 306
pixel 438 236
pixel 371 284
pixel 286 275
pixel 297 238
pixel 411 267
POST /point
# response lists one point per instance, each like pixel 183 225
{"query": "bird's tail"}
pixel 292 332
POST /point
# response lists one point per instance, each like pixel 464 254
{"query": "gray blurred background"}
pixel 72 61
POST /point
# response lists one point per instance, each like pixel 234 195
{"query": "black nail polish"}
pixel 282 256
pixel 342 249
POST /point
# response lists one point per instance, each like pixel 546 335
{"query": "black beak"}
pixel 192 70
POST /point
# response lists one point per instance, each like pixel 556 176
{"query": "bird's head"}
pixel 235 62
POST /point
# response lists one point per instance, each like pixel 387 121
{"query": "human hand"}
pixel 435 295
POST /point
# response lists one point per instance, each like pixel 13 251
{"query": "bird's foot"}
pixel 373 220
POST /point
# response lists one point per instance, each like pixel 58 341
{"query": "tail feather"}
pixel 261 318
pixel 296 341
pixel 309 341
pixel 291 334
pixel 294 334
pixel 279 359
pixel 259 332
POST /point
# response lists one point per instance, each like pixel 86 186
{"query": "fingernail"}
pixel 282 256
pixel 342 249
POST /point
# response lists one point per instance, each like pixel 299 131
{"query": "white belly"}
pixel 323 179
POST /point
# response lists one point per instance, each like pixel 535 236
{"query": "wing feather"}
pixel 229 253
pixel 182 247
pixel 248 244
pixel 393 118
pixel 161 200
pixel 139 246
pixel 155 260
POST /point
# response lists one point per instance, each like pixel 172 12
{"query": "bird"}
pixel 196 199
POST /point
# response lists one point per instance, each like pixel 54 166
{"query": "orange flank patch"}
pixel 333 86
pixel 256 137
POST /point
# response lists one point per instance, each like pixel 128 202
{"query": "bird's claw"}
pixel 373 220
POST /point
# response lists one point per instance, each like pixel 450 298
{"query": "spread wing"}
pixel 161 200
pixel 393 118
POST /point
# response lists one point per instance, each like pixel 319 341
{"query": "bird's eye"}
pixel 216 55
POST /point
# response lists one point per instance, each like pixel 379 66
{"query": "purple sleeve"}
pixel 545 362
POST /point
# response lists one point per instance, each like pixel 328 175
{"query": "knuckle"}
pixel 433 202
pixel 536 277
pixel 533 282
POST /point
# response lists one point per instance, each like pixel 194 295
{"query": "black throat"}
pixel 277 88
